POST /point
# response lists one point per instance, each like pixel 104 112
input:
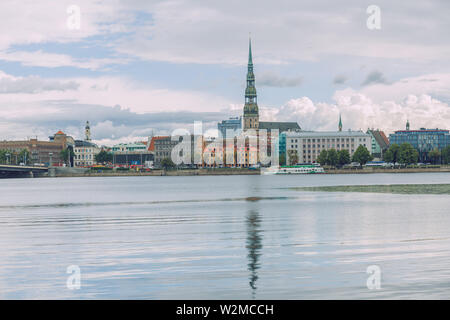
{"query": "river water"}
pixel 222 237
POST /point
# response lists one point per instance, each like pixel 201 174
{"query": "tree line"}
pixel 339 158
pixel 14 157
pixel 406 154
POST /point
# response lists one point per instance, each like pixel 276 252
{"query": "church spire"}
pixel 250 58
pixel 251 114
pixel 340 122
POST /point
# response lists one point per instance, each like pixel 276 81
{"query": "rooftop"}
pixel 326 134
pixel 423 130
pixel 81 143
pixel 282 126
pixel 152 143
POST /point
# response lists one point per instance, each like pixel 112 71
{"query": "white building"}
pixel 84 153
pixel 129 147
pixel 308 145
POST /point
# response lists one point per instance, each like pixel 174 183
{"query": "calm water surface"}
pixel 222 237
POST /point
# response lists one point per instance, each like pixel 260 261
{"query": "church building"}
pixel 251 112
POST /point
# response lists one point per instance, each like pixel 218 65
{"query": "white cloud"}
pixel 28 21
pixel 53 60
pixel 284 31
pixel 107 91
pixel 360 112
pixel 437 85
pixel 33 84
pixel 45 106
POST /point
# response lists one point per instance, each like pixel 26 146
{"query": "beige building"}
pixel 84 153
pixel 308 145
pixel 84 150
pixel 41 152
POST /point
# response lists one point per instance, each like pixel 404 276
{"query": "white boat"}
pixel 296 169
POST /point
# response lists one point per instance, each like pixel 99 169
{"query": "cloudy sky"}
pixel 133 67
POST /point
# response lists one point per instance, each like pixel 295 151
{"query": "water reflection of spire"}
pixel 254 246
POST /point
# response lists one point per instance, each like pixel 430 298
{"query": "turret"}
pixel 87 131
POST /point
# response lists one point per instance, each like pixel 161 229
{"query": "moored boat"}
pixel 294 169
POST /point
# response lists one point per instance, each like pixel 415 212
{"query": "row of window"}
pixel 84 163
pixel 329 140
pixel 84 157
pixel 84 150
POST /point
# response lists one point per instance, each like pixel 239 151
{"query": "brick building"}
pixel 41 152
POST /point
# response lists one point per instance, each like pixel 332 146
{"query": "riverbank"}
pixel 69 172
pixel 387 170
pixel 394 188
pixel 80 172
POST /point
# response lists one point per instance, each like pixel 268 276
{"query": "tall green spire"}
pixel 251 114
pixel 250 59
pixel 340 122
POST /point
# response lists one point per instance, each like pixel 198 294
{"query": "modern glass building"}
pixel 230 124
pixel 423 140
pixel 282 144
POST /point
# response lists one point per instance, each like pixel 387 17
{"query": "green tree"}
pixel 66 154
pixel 445 154
pixel 435 155
pixel 293 157
pixel 24 156
pixel 332 157
pixel 167 163
pixel 343 157
pixel 8 156
pixel 362 155
pixel 3 157
pixel 323 157
pixel 391 154
pixel 407 154
pixel 103 157
pixel 282 159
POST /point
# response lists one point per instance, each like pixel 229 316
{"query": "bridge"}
pixel 11 171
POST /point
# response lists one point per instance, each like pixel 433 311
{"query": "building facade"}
pixel 423 140
pixel 129 147
pixel 163 148
pixel 135 158
pixel 127 154
pixel 84 153
pixel 308 145
pixel 40 152
pixel 379 143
